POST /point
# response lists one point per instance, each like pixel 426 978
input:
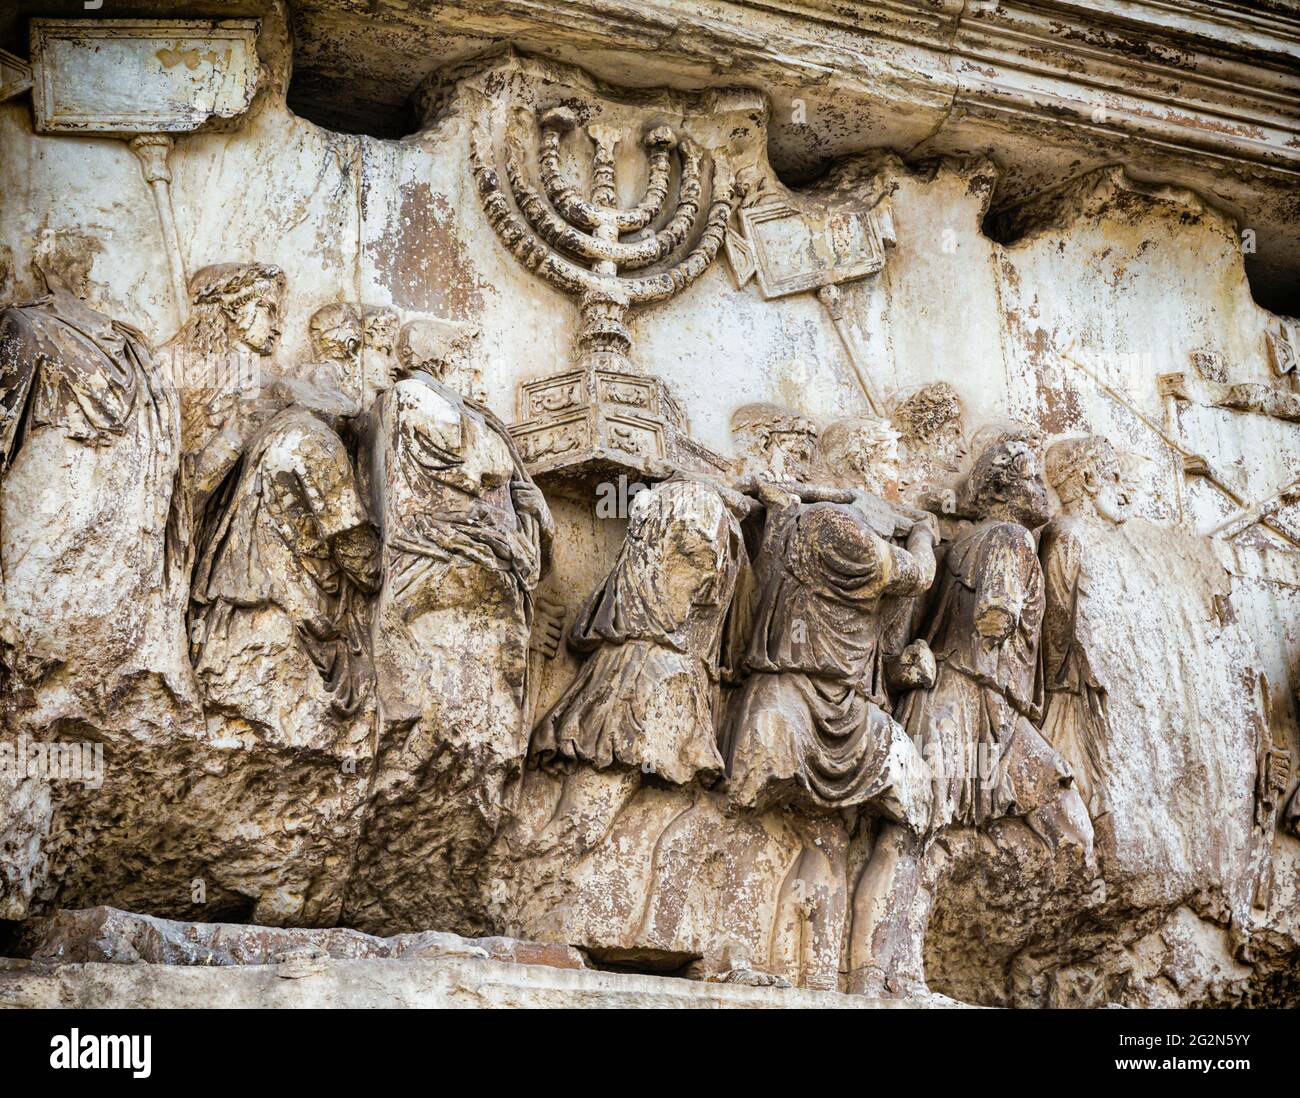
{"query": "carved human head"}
pixel 1007 482
pixel 930 421
pixel 241 299
pixel 336 333
pixel 63 259
pixel 440 348
pixel 379 365
pixel 773 440
pixel 1087 474
pixel 860 451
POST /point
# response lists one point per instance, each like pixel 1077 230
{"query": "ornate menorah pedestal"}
pixel 603 418
pixel 586 426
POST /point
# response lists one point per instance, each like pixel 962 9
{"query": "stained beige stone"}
pixel 842 537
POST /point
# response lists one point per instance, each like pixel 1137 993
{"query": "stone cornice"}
pixel 1200 93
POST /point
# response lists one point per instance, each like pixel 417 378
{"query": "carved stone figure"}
pixel 648 695
pixel 234 321
pixel 89 454
pixel 1087 477
pixel 811 722
pixel 466 535
pixel 974 723
pixel 337 335
pixel 380 328
pixel 279 630
pixel 91 587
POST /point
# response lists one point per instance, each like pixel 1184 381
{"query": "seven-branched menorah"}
pixel 577 243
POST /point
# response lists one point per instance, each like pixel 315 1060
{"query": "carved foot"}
pixel 873 982
pixel 750 977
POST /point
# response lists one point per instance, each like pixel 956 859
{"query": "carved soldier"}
pixel 1086 474
pixel 337 332
pixel 974 724
pixel 983 629
pixel 647 696
pixel 466 536
pixel 811 724
pixel 288 553
pixel 89 431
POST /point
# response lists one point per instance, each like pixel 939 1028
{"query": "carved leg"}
pixel 891 907
pixel 824 904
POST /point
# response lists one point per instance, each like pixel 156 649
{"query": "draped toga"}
pixel 648 696
pixel 269 547
pixel 974 726
pixel 811 722
pixel 89 455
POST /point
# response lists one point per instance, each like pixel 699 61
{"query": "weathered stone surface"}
pixel 888 583
pixel 108 936
pixel 381 983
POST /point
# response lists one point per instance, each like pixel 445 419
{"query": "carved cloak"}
pixel 89 455
pixel 810 722
pixel 270 547
pixel 1075 722
pixel 647 697
pixel 986 758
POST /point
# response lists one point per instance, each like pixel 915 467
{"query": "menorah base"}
pixel 586 427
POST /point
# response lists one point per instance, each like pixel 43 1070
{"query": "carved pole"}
pixel 152 150
pixel 830 297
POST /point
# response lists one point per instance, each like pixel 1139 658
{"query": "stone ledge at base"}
pixel 372 983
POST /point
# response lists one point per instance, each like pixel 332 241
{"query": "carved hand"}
pixel 914 669
pixel 528 500
pixel 357 552
pixel 995 623
pixel 548 628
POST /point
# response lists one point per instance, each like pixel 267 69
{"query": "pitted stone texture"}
pixel 109 936
pixel 386 983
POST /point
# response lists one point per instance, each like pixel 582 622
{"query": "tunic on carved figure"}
pixel 988 760
pixel 811 721
pixel 279 587
pixel 1080 540
pixel 454 544
pixel 466 536
pixel 1075 722
pixel 648 696
pixel 89 454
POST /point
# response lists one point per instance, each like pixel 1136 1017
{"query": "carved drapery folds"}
pixel 853 688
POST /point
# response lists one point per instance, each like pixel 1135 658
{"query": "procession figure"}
pixel 234 322
pixel 286 559
pixel 362 340
pixel 1087 477
pixel 89 431
pixel 809 730
pixel 811 724
pixel 648 695
pixel 974 724
pixel 466 536
pixel 983 628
